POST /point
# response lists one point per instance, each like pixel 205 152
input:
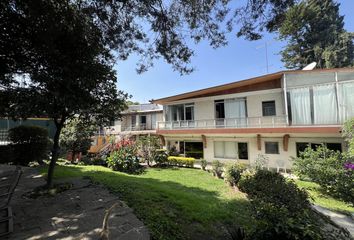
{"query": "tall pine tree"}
pixel 315 32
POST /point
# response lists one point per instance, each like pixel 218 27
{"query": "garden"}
pixel 175 200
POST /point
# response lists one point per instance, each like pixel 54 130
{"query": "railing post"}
pixel 273 121
pixel 260 122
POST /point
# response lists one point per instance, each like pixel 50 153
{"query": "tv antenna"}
pixel 265 45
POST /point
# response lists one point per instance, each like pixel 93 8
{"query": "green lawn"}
pixel 174 203
pixel 323 199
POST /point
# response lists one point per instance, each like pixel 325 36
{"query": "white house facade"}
pixel 275 115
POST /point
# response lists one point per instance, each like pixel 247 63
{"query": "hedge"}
pixel 181 161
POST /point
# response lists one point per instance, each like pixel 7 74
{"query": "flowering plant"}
pixel 349 166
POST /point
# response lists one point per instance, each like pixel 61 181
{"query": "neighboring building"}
pixel 6 124
pixel 276 115
pixel 135 121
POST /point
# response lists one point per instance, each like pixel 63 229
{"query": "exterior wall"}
pixel 204 110
pixel 283 158
pixel 254 104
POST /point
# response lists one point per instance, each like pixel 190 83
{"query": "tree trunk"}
pixel 55 153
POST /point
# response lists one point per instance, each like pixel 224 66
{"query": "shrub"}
pixel 329 169
pixel 281 209
pixel 217 168
pixel 29 143
pixel 124 157
pixel 203 163
pixel 93 160
pixel 160 157
pixel 233 173
pixel 261 161
pixel 181 161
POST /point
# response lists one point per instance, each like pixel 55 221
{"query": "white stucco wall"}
pixel 204 110
pixel 254 104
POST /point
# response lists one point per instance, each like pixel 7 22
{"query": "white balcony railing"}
pixel 141 127
pixel 250 122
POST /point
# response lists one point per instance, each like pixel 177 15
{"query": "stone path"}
pixel 340 219
pixel 74 214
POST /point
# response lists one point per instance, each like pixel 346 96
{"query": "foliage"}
pixel 29 144
pixel 6 154
pixel 56 64
pixel 261 161
pixel 315 33
pixel 124 157
pixel 281 209
pixel 77 136
pixel 181 161
pixel 160 157
pixel 217 168
pixel 203 163
pixel 323 199
pixel 328 169
pixel 93 160
pixel 173 151
pixel 348 135
pixel 174 203
pixel 233 172
pixel 147 146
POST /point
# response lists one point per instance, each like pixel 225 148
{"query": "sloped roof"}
pixel 238 84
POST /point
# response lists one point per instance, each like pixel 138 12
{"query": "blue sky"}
pixel 240 59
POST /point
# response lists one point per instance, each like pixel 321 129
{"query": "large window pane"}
pixel 219 149
pixel 346 101
pixel 268 108
pixel 230 150
pixel 219 109
pixel 272 147
pixel 325 104
pixel 300 106
pixel 242 150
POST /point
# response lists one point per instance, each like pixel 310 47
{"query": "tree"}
pixel 315 32
pixel 147 146
pixel 56 57
pixel 67 72
pixel 348 135
pixel 77 136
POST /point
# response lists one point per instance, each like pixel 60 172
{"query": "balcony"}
pixel 141 127
pixel 250 122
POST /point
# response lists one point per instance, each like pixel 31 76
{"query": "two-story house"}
pixel 276 115
pixel 137 120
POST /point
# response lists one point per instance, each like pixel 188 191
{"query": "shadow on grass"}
pixel 173 209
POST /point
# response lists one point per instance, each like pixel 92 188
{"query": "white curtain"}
pixel 300 106
pixel 235 108
pixel 325 104
pixel 230 150
pixel 346 101
pixel 219 149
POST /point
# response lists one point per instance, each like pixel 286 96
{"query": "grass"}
pixel 323 199
pixel 176 203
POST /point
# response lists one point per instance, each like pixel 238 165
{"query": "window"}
pixel 189 112
pixel 180 112
pixel 301 146
pixel 268 108
pixel 272 147
pixel 242 150
pixel 219 109
pixel 231 150
pixel 142 120
pixel 334 146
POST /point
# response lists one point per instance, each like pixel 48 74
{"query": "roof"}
pixel 239 84
pixel 143 108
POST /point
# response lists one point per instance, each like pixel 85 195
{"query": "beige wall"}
pixel 274 159
pixel 204 110
pixel 254 104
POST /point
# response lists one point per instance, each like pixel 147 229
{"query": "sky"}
pixel 240 59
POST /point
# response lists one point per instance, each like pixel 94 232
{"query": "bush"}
pixel 160 156
pixel 281 209
pixel 233 173
pixel 181 161
pixel 93 160
pixel 217 168
pixel 6 154
pixel 203 163
pixel 329 169
pixel 29 144
pixel 124 158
